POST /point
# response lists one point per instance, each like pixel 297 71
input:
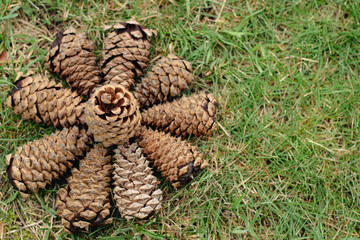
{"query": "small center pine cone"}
pixel 112 115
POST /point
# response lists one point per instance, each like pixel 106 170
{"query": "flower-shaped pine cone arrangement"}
pixel 109 114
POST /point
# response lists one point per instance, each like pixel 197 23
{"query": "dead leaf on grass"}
pixel 3 56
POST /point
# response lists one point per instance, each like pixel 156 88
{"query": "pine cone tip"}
pixel 137 30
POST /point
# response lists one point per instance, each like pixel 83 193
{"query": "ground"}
pixel 284 162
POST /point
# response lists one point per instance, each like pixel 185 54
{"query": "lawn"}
pixel 284 161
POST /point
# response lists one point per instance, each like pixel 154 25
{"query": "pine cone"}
pixel 194 115
pixel 112 115
pixel 169 76
pixel 44 101
pixel 125 52
pixel 177 160
pixel 84 202
pixel 135 192
pixel 71 55
pixel 38 163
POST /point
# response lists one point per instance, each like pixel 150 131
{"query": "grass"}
pixel 284 161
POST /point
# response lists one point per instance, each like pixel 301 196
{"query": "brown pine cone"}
pixel 84 202
pixel 125 52
pixel 71 55
pixel 194 115
pixel 169 76
pixel 38 163
pixel 35 97
pixel 112 115
pixel 136 193
pixel 176 160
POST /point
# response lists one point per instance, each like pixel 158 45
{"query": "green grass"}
pixel 284 163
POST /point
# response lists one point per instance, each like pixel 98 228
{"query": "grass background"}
pixel 284 161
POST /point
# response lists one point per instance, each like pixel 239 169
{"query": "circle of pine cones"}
pixel 105 126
